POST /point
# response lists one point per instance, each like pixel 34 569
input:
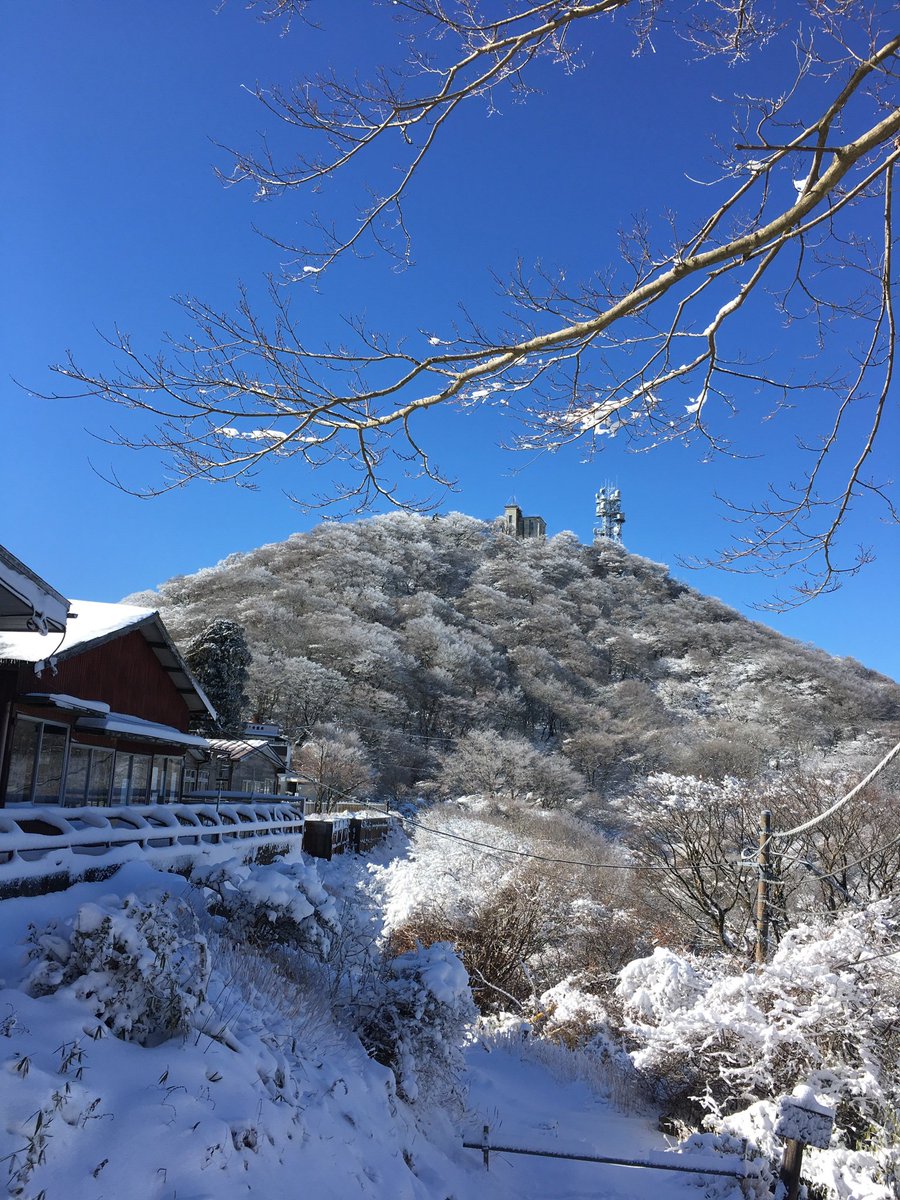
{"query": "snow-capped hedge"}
pixel 420 1025
pixel 283 903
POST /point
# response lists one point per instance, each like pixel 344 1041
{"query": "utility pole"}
pixel 763 863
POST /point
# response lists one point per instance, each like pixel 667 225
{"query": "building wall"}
pixel 517 526
pixel 124 673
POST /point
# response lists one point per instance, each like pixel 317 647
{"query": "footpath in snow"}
pixel 526 1104
pixel 268 1095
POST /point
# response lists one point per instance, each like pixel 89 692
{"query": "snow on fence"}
pixel 697 1166
pixel 37 842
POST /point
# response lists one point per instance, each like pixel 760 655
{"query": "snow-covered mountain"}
pixel 409 633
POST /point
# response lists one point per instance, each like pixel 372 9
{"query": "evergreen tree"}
pixel 220 658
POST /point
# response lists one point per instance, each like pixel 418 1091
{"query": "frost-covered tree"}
pixel 220 658
pixel 336 763
pixel 414 633
pixel 508 768
pixel 700 836
pixel 725 1044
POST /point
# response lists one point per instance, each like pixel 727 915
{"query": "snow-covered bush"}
pixel 282 903
pixel 142 966
pixel 571 1017
pixel 495 940
pixel 421 1022
pixel 508 768
pixel 825 1012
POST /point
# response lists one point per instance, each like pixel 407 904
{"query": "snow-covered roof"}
pixel 93 622
pixel 89 621
pixel 61 700
pixel 127 726
pixel 236 749
pixel 27 602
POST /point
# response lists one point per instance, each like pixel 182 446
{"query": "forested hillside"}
pixel 412 650
pixel 579 748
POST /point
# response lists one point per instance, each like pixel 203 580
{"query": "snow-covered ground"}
pixel 284 1102
pixel 526 1103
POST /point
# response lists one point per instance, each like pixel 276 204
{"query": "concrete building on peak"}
pixel 513 523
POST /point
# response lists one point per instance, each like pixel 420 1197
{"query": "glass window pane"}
pixel 101 776
pixel 140 777
pixel 51 762
pixel 77 774
pixel 156 779
pixel 21 761
pixel 121 776
pixel 173 779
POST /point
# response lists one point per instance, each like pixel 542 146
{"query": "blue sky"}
pixel 110 118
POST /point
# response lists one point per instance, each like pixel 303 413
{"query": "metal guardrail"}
pixel 29 834
pixel 644 1164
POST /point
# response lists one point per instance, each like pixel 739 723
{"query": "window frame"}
pixel 40 723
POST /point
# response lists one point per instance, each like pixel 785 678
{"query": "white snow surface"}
pixel 94 619
pixel 284 1100
pixel 75 703
pixel 287 1104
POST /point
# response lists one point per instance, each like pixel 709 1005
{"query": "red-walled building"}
pixel 98 715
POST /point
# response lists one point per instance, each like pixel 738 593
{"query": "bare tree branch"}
pixel 650 347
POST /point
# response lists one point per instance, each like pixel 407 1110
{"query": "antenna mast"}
pixel 610 517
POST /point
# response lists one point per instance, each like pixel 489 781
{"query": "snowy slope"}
pixel 287 1103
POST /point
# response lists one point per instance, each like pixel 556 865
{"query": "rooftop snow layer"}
pixel 89 621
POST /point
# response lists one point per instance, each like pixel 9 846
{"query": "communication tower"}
pixel 610 517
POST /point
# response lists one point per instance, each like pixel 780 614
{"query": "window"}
pixel 130 776
pixel 140 777
pixel 77 774
pixel 121 779
pixel 36 762
pixel 173 780
pixel 100 776
pixel 165 780
pixel 22 756
pixel 51 764
pixel 156 780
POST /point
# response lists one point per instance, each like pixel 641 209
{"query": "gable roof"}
pixel 91 624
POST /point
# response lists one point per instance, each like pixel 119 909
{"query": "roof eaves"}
pixel 187 676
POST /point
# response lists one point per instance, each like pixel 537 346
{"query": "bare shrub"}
pixel 495 943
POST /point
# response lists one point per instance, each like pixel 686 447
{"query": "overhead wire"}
pixel 848 866
pixel 568 862
pixel 491 848
pixel 860 962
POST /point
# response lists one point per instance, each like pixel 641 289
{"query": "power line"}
pixel 499 850
pixel 859 962
pixel 571 862
pixel 848 866
pixel 888 758
pixel 567 862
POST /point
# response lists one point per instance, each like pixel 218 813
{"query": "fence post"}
pixel 791 1162
pixel 486 1147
